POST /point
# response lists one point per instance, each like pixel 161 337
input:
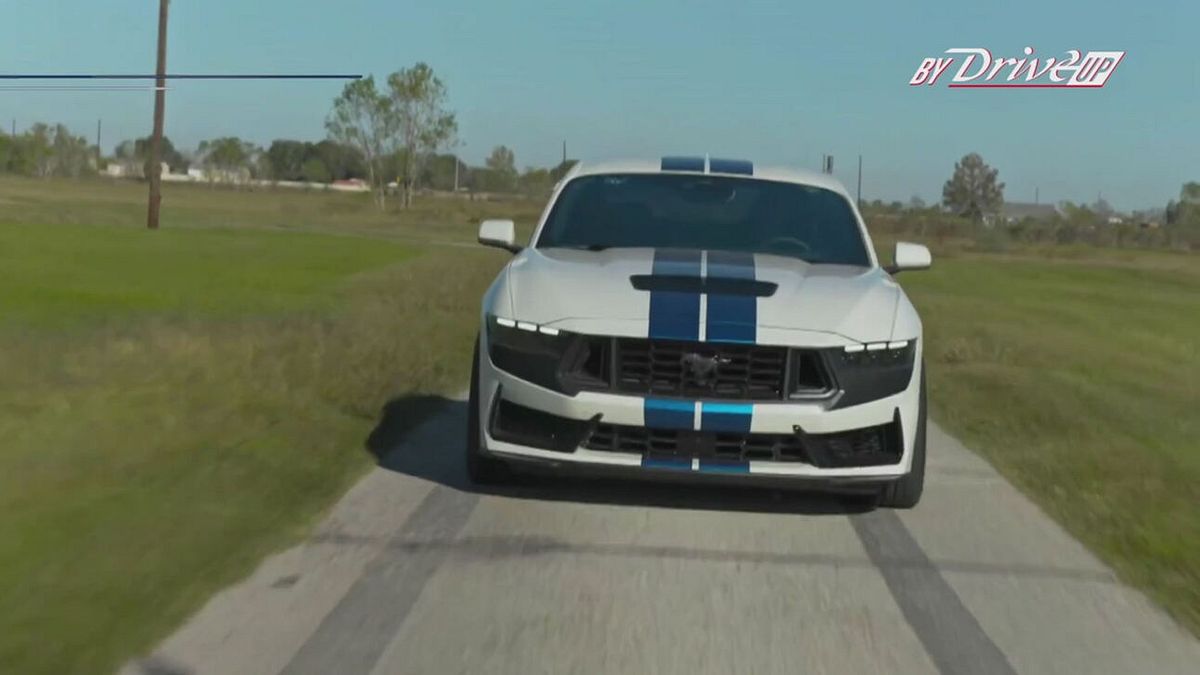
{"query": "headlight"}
pixel 868 372
pixel 548 357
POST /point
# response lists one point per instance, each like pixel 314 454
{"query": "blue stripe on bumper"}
pixel 667 414
pixel 723 466
pixel 669 463
pixel 728 417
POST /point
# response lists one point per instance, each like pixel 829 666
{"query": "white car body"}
pixel 831 309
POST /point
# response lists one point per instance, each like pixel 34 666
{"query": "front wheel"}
pixel 906 492
pixel 481 469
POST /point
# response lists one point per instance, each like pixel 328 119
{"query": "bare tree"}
pixel 423 125
pixel 365 120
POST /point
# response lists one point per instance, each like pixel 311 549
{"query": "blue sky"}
pixel 776 82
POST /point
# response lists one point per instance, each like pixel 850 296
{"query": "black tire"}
pixel 481 469
pixel 906 492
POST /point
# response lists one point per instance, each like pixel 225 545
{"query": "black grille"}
pixel 871 446
pixel 665 368
pixel 698 444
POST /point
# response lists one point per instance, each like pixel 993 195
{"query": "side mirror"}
pixel 499 233
pixel 909 257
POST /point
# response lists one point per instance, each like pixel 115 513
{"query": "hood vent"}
pixel 712 285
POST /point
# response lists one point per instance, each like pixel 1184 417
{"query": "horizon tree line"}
pixel 399 133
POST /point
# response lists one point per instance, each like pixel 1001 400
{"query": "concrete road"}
pixel 414 572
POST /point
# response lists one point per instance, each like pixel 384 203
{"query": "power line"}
pixel 78 87
pixel 180 76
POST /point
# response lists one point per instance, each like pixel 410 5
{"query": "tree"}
pixel 137 152
pixel 536 182
pixel 363 119
pixel 1079 216
pixel 227 158
pixel 439 172
pixel 502 164
pixel 417 100
pixel 1185 213
pixel 973 191
pixel 558 172
pixel 342 161
pixel 287 159
pixel 315 171
pixel 71 156
pixel 27 154
pixel 39 154
pixel 915 203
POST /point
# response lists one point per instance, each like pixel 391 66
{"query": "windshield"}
pixel 705 212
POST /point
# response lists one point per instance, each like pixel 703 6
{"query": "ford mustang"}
pixel 701 319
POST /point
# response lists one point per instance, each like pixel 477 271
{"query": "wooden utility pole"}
pixel 99 153
pixel 860 180
pixel 160 96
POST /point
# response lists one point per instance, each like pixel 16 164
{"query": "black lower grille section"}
pixel 700 369
pixel 698 444
pixel 514 423
pixel 872 446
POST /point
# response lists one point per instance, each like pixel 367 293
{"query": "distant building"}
pixel 212 174
pixel 350 185
pixel 130 169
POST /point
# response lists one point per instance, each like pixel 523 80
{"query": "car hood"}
pixel 594 292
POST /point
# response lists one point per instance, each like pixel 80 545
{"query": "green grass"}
pixel 176 404
pixel 147 464
pixel 72 273
pixel 1080 380
pixel 186 206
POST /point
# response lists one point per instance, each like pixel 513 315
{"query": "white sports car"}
pixel 703 319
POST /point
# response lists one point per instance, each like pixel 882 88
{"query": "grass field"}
pixel 176 404
pixel 1079 378
pixel 27 200
pixel 86 273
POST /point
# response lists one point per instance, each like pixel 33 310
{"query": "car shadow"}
pixel 423 436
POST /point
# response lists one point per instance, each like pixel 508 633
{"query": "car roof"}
pixel 704 165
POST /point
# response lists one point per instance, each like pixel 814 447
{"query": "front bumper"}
pixel 813 419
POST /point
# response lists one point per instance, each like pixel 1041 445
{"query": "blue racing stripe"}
pixel 727 417
pixel 723 466
pixel 739 166
pixel 731 318
pixel 683 164
pixel 672 463
pixel 669 414
pixel 675 315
